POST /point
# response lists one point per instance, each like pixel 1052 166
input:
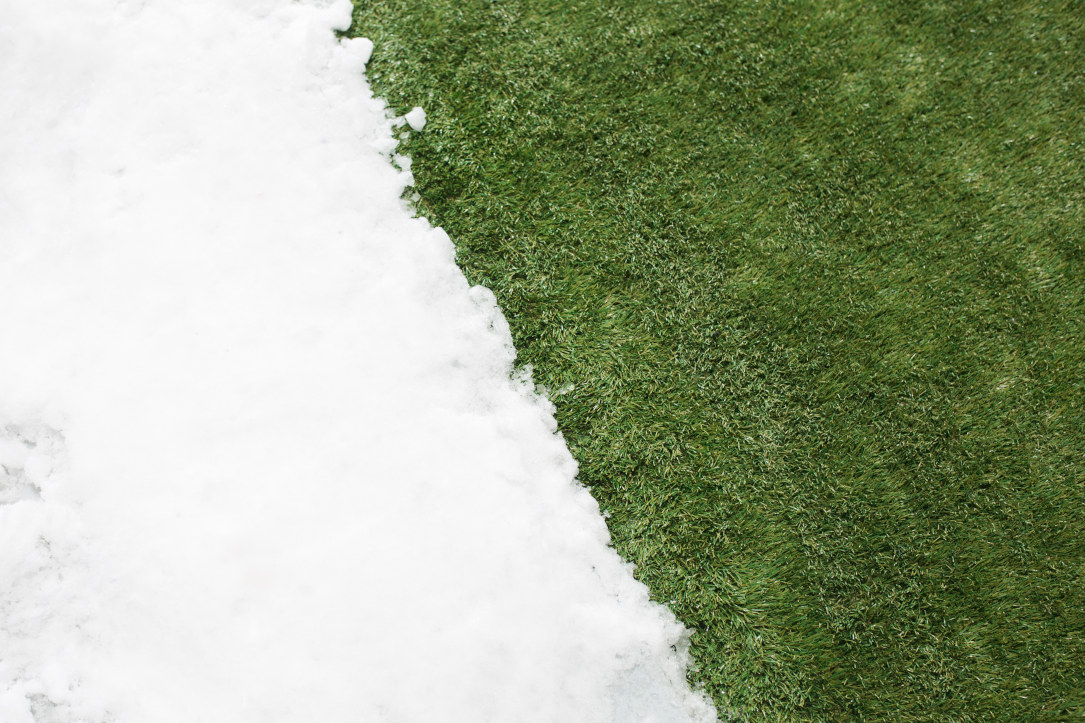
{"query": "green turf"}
pixel 815 274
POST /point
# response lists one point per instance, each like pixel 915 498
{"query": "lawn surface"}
pixel 811 277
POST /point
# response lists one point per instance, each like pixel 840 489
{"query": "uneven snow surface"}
pixel 261 458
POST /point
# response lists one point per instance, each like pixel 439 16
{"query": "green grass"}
pixel 816 273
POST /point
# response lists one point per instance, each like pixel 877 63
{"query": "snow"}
pixel 263 453
pixel 416 119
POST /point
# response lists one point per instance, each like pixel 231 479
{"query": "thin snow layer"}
pixel 262 454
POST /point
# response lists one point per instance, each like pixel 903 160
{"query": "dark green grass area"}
pixel 816 274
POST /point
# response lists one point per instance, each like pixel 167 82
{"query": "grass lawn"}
pixel 812 277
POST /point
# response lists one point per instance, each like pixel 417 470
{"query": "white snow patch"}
pixel 416 119
pixel 262 457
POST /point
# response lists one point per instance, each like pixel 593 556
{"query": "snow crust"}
pixel 263 456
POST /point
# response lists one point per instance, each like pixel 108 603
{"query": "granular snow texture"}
pixel 264 457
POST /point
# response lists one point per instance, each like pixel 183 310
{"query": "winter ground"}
pixel 262 457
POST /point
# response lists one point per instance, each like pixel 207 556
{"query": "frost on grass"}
pixel 262 456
